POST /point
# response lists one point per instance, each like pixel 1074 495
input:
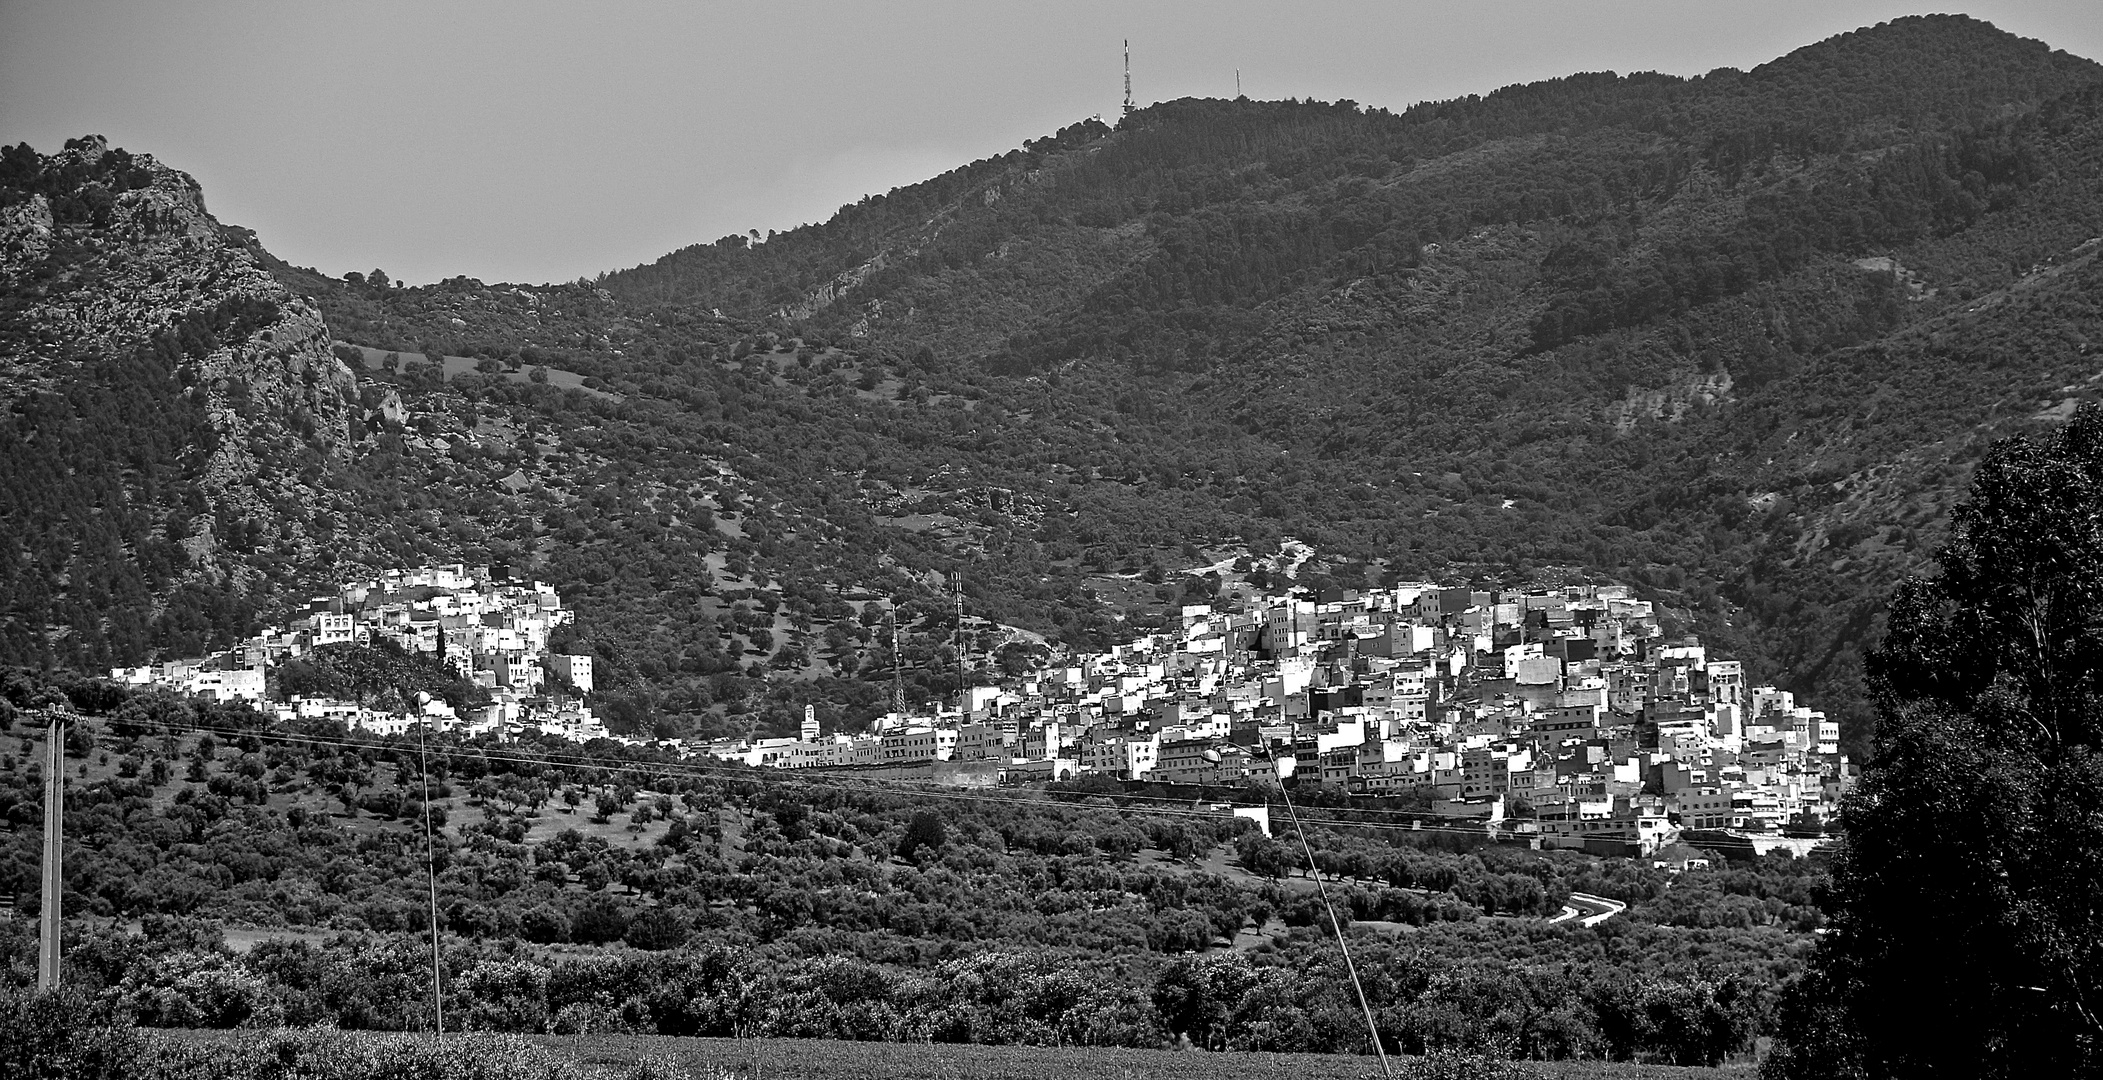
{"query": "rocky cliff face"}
pixel 144 352
pixel 119 251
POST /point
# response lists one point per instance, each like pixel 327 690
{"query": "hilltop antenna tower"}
pixel 1128 77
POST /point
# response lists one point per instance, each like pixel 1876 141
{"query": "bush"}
pixel 599 923
pixel 544 925
pixel 324 1054
pixel 656 930
pixel 64 1034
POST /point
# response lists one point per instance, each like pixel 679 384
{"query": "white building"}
pixel 577 669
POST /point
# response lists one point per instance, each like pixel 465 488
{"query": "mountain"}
pixel 1695 333
pixel 1734 338
pixel 162 396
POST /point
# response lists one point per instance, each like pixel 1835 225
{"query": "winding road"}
pixel 1589 910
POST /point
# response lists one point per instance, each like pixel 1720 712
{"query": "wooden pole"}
pixel 54 849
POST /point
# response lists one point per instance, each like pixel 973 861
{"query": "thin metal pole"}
pixel 897 669
pixel 1323 891
pixel 54 851
pixel 431 876
pixel 956 640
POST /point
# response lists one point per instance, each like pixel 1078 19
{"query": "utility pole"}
pixel 54 849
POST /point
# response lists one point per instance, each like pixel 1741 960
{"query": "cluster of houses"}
pixel 1559 714
pixel 490 630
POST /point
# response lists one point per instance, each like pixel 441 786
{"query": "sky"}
pixel 530 141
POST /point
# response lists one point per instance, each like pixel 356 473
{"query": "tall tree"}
pixel 1967 935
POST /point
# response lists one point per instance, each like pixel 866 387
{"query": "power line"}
pixel 1321 889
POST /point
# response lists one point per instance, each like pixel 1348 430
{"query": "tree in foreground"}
pixel 1967 907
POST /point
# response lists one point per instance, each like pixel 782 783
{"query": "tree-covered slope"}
pixel 1733 338
pixel 164 397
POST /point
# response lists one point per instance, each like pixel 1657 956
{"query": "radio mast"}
pixel 1128 77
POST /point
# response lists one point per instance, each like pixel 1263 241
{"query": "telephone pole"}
pixel 54 849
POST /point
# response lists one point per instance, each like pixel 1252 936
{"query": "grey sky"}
pixel 522 141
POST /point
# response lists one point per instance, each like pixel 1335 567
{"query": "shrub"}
pixel 325 1054
pixel 656 930
pixel 598 923
pixel 64 1034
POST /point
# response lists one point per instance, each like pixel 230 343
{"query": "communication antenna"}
pixel 1128 77
pixel 1237 84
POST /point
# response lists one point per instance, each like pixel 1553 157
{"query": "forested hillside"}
pixel 1735 338
pixel 165 404
pixel 613 888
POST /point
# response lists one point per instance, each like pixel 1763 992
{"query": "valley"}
pixel 900 628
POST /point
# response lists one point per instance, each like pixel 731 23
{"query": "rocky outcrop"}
pixel 116 254
pixel 1670 403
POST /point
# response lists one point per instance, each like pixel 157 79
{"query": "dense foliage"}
pixel 613 888
pixel 1735 338
pixel 1969 885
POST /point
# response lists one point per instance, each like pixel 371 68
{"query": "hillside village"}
pixel 1556 714
pixel 1560 715
pixel 492 632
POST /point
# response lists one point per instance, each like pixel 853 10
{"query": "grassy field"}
pixel 257 1055
pixel 765 1059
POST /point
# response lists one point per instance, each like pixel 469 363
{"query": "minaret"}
pixel 1128 77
